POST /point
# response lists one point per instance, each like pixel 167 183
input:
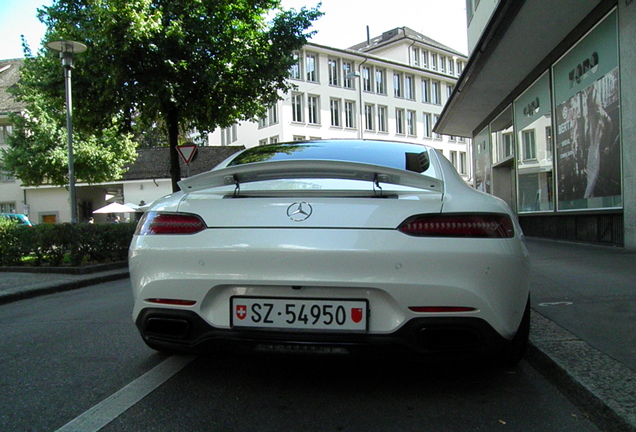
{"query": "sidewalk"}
pixel 583 334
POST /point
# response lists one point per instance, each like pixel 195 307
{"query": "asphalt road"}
pixel 74 361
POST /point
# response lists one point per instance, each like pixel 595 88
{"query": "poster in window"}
pixel 483 166
pixel 587 112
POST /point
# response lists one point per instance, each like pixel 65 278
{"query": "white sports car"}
pixel 330 247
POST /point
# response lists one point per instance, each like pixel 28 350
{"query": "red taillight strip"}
pixel 459 225
pixel 169 223
pixel 174 302
pixel 441 309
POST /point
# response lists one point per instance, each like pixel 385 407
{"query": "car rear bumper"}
pixel 430 337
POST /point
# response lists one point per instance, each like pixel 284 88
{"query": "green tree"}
pixel 37 150
pixel 186 64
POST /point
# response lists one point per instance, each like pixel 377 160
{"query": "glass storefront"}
pixel 564 141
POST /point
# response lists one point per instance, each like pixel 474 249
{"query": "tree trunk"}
pixel 172 121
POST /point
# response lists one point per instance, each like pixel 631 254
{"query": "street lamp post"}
pixel 67 49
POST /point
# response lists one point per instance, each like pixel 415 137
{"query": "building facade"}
pixel 548 98
pixel 392 87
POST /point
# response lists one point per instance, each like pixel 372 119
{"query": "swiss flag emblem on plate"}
pixel 356 315
pixel 241 311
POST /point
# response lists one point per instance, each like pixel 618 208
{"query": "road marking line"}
pixel 115 405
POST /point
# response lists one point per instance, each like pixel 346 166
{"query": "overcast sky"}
pixel 343 25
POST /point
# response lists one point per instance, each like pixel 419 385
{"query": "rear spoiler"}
pixel 308 169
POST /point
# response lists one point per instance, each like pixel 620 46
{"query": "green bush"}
pixel 55 244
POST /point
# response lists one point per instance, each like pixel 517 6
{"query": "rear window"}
pixel 404 156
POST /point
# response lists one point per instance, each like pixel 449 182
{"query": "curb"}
pixel 604 388
pixel 10 296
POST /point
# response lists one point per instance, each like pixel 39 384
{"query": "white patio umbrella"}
pixel 115 208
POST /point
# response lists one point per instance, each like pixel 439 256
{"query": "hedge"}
pixel 63 244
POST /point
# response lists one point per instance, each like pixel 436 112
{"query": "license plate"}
pixel 299 314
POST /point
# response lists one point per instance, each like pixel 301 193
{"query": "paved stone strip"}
pixel 112 407
pixel 600 385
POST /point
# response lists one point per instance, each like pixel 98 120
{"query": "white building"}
pixel 392 87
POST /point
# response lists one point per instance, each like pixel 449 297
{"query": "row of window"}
pixel 344 113
pixel 373 79
pixel 426 59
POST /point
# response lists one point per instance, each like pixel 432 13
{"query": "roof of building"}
pixel 154 163
pixel 398 34
pixel 9 76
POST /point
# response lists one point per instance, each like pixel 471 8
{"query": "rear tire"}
pixel 517 347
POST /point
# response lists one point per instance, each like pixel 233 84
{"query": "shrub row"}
pixel 55 244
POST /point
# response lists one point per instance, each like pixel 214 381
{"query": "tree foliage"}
pixel 186 64
pixel 38 148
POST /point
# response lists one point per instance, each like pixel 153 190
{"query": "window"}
pixel 433 61
pixel 347 69
pixel 298 138
pixel 409 87
pixel 311 65
pixel 366 79
pixel 460 67
pixel 411 123
pixel 436 96
pixel 270 117
pixel 350 114
pixel 399 121
pixel 294 71
pixel 334 72
pixel 382 118
pixel 453 159
pixel 548 142
pixel 273 140
pixel 451 66
pixel 7 207
pixel 506 148
pixel 397 85
pixel 313 106
pixel 449 90
pixel 380 80
pixel 368 117
pixel 529 145
pixel 272 114
pixel 262 142
pixel 462 162
pixel 5 131
pixel 334 106
pixel 5 176
pixel 426 120
pixel 442 63
pixel 426 90
pixel 297 107
pixel 425 59
pixel 229 135
pixel 415 56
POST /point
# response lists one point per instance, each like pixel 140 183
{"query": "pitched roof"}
pixel 154 163
pixel 398 34
pixel 9 76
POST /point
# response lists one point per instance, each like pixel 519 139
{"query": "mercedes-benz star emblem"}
pixel 299 211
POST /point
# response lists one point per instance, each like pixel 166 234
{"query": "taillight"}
pixel 459 225
pixel 169 223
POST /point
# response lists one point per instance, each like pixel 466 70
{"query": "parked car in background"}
pixel 332 246
pixel 20 219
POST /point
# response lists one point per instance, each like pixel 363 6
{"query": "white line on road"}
pixel 112 407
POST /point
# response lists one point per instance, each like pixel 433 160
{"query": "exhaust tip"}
pixel 166 328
